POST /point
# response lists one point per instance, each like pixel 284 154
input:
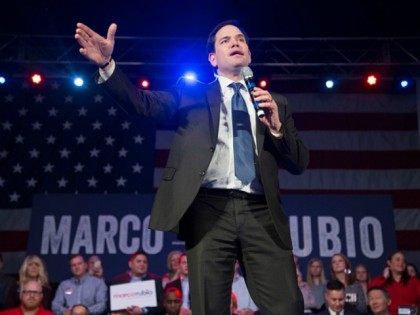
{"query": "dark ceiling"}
pixel 194 18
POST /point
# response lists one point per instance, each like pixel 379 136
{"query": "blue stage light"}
pixel 2 80
pixel 329 84
pixel 404 83
pixel 78 81
pixel 190 77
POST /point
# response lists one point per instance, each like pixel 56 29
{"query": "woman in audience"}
pixel 403 289
pixel 315 277
pixel 33 268
pixel 362 277
pixel 341 271
pixel 412 270
pixel 172 263
pixel 308 296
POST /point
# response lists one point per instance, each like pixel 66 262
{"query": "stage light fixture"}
pixel 190 77
pixel 2 80
pixel 37 78
pixel 404 83
pixel 372 79
pixel 263 83
pixel 78 81
pixel 145 84
pixel 329 84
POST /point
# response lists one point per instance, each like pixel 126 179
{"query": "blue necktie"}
pixel 243 148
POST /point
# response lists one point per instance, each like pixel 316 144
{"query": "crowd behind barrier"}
pixel 344 291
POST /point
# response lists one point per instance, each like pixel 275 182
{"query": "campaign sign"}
pixel 140 293
pixel 359 226
pixel 114 226
pixel 110 226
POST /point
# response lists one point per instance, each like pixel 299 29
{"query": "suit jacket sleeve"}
pixel 161 105
pixel 292 153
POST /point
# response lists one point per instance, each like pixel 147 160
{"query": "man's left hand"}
pixel 134 310
pixel 266 102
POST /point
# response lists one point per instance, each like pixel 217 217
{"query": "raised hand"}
pixel 95 47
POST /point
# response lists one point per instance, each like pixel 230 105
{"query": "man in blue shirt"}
pixel 82 288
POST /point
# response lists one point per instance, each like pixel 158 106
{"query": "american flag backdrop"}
pixel 57 139
pixel 60 139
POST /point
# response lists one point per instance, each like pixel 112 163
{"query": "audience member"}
pixel 138 265
pixel 95 266
pixel 182 284
pixel 341 271
pixel 315 278
pixel 30 295
pixel 6 284
pixel 308 296
pixel 378 301
pixel 32 268
pixel 362 276
pixel 82 288
pixel 172 300
pixel 172 263
pixel 403 289
pixel 335 300
pixel 412 270
pixel 79 309
pixel 245 304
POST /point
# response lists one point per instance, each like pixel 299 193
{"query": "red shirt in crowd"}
pixel 400 293
pixel 19 311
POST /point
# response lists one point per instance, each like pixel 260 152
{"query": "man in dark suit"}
pixel 335 300
pixel 220 189
pixel 138 264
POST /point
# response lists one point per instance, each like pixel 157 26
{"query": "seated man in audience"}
pixel 245 305
pixel 182 284
pixel 82 288
pixel 30 301
pixel 138 265
pixel 379 301
pixel 172 301
pixel 335 300
pixel 79 309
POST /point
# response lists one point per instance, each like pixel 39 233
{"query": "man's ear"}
pixel 212 59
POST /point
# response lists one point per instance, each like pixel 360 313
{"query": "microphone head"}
pixel 247 73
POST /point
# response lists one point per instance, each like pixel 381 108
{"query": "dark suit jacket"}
pixel 196 110
pixel 126 278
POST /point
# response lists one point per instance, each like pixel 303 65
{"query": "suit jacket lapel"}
pixel 214 99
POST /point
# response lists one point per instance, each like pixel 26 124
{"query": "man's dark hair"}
pixel 76 255
pixel 382 289
pixel 334 285
pixel 136 253
pixel 80 305
pixel 212 36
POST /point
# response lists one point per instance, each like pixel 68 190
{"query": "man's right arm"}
pixel 59 300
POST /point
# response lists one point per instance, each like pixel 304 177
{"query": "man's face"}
pixel 377 301
pixel 231 51
pixel 138 265
pixel 78 266
pixel 335 299
pixel 31 295
pixel 183 265
pixel 172 303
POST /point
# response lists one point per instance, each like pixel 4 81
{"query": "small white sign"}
pixel 141 294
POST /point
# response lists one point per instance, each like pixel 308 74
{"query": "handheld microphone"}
pixel 248 76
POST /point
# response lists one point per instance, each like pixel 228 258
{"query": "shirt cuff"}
pixel 105 74
pixel 279 134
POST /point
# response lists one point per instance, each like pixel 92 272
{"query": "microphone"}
pixel 248 76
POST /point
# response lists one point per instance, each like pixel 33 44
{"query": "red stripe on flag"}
pixel 13 241
pixel 401 198
pixel 408 240
pixel 356 121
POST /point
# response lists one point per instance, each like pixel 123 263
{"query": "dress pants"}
pixel 222 226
